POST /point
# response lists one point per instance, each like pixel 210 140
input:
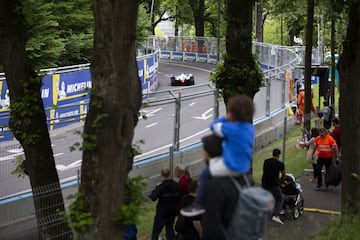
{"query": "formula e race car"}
pixel 182 79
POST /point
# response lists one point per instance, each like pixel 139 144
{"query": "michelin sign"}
pixel 66 95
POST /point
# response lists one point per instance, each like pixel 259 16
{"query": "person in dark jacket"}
pixel 167 193
pixel 270 181
pixel 221 197
pixel 192 227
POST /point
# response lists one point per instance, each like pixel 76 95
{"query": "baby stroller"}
pixel 294 201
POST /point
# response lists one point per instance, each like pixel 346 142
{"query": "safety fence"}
pixel 16 191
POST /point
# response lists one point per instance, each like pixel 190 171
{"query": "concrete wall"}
pixel 269 129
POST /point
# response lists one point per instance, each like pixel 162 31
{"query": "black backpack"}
pixel 252 212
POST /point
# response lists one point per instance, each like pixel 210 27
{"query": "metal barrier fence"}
pixel 273 99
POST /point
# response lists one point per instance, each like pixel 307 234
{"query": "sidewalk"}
pixel 321 207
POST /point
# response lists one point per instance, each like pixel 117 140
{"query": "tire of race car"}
pixel 192 81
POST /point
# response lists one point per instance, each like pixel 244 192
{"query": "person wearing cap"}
pixel 238 136
pixel 270 181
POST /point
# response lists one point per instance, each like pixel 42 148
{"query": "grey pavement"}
pixel 320 207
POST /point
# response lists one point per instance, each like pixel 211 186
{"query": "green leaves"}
pixel 130 212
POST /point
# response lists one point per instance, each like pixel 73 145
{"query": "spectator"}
pixel 220 196
pixel 184 178
pixel 328 112
pixel 192 226
pixel 336 133
pixel 312 158
pixel 325 148
pixel 301 102
pixel 270 181
pixel 167 194
pixel 238 135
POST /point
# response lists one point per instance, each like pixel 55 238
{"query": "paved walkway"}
pixel 321 207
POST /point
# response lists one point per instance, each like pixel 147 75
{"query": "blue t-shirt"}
pixel 238 143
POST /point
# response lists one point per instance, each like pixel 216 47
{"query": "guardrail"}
pixel 268 129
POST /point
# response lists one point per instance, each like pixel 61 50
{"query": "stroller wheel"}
pixel 296 213
pixel 301 206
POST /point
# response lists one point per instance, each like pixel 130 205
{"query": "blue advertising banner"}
pixel 47 91
pixel 66 95
pixel 165 55
pixel 140 64
pixel 4 97
pixel 70 87
pixel 212 59
pixel 190 57
pixel 202 58
pixel 5 133
pixel 178 56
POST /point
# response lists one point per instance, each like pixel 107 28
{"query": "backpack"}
pixel 252 212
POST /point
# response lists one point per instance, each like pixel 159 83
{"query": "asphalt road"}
pixel 157 129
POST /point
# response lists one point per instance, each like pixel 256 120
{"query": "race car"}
pixel 182 79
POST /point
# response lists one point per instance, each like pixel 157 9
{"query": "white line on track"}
pixel 168 145
pixel 151 125
pixel 175 64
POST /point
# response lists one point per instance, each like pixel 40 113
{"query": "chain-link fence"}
pixel 179 134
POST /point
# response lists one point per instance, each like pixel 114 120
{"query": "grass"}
pixel 295 163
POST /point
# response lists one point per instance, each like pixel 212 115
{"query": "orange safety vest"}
pixel 325 146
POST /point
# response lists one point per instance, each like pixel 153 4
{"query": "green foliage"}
pixel 24 109
pixel 347 228
pixel 44 43
pixel 19 170
pixel 142 26
pixel 136 150
pixel 235 78
pixel 136 206
pixel 79 219
pixel 356 176
pixel 89 142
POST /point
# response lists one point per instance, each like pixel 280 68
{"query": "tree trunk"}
pixel 259 25
pixel 28 123
pixel 238 48
pixel 240 73
pixel 112 117
pixel 308 70
pixel 198 9
pixel 349 66
pixel 333 66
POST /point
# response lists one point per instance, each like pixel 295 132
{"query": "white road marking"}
pixel 148 113
pixel 205 115
pixel 192 104
pixel 19 152
pixel 186 66
pixel 169 145
pixel 75 164
pixel 151 125
pixel 10 157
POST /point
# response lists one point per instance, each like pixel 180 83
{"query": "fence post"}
pixel 216 103
pixel 171 163
pixel 268 86
pixel 284 138
pixel 177 122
